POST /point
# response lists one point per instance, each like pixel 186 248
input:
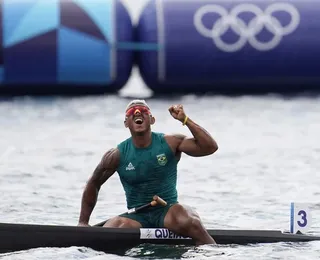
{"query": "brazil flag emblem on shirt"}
pixel 162 159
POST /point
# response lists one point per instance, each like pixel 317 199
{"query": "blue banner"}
pixel 209 45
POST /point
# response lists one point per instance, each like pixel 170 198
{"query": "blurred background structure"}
pixel 101 46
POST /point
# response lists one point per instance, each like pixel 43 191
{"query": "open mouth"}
pixel 138 121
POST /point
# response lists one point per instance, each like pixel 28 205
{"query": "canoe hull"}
pixel 16 237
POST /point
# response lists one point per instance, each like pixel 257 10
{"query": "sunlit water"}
pixel 269 156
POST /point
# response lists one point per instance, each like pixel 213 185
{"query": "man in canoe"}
pixel 147 166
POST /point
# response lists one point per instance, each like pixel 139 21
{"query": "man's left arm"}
pixel 201 144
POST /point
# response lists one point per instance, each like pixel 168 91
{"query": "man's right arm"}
pixel 105 169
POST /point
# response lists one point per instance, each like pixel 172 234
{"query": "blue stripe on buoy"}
pixel 291 217
pixel 138 46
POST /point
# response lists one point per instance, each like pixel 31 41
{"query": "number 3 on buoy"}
pixel 300 218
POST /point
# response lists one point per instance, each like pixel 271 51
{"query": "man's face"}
pixel 138 118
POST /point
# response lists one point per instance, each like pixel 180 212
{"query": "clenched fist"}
pixel 177 112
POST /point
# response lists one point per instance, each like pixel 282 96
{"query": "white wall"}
pixel 134 7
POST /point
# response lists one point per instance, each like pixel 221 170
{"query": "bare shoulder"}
pixel 107 166
pixel 111 157
pixel 174 140
pixel 175 137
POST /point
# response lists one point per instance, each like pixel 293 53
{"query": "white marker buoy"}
pixel 300 218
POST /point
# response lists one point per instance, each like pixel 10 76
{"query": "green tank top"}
pixel 145 172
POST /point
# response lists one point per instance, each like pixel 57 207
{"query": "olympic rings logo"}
pixel 247 32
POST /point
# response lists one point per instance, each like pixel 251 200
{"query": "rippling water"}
pixel 269 151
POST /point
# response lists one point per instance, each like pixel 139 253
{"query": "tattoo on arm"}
pixel 104 170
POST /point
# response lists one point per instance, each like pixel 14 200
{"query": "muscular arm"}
pixel 201 144
pixel 101 174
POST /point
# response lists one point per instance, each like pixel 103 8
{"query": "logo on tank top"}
pixel 162 159
pixel 130 167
